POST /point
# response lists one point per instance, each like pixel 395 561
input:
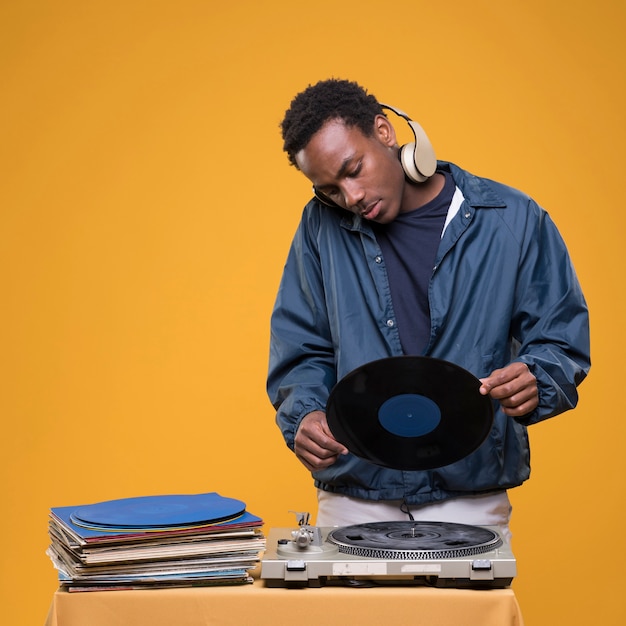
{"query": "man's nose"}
pixel 352 193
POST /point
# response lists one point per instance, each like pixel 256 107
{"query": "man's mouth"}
pixel 371 210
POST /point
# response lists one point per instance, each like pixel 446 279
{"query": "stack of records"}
pixel 155 541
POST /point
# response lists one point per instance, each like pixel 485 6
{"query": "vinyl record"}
pixel 149 512
pixel 409 412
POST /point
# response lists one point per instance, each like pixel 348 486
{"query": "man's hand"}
pixel 314 444
pixel 515 387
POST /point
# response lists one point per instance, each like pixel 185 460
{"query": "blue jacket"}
pixel 502 289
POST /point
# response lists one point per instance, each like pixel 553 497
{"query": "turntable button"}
pixel 481 564
pixel 296 566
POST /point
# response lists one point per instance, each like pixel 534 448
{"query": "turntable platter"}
pixel 414 540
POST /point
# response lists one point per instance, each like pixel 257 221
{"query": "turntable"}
pixel 412 414
pixel 438 554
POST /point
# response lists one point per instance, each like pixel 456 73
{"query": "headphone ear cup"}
pixel 407 159
pixel 324 199
pixel 418 158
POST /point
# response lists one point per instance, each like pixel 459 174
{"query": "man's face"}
pixel 359 173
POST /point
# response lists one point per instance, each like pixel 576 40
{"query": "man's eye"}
pixel 356 171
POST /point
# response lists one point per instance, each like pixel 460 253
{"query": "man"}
pixel 448 265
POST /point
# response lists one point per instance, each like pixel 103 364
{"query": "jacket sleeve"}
pixel 551 321
pixel 302 363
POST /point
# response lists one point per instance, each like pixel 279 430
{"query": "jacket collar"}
pixel 476 192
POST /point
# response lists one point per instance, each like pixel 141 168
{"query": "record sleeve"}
pixel 165 511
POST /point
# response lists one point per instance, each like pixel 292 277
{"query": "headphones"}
pixel 417 158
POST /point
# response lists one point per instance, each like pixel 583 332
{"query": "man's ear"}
pixel 384 131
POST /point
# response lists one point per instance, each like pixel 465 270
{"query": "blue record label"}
pixel 409 415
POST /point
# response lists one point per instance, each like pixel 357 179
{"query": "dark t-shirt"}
pixel 409 245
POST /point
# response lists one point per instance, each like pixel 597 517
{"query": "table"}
pixel 257 604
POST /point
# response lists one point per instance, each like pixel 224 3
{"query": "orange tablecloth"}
pixel 259 605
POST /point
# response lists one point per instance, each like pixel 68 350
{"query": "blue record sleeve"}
pixel 159 511
pixel 224 514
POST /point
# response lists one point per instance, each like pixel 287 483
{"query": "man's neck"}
pixel 416 195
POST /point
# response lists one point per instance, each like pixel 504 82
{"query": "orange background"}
pixel 146 209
